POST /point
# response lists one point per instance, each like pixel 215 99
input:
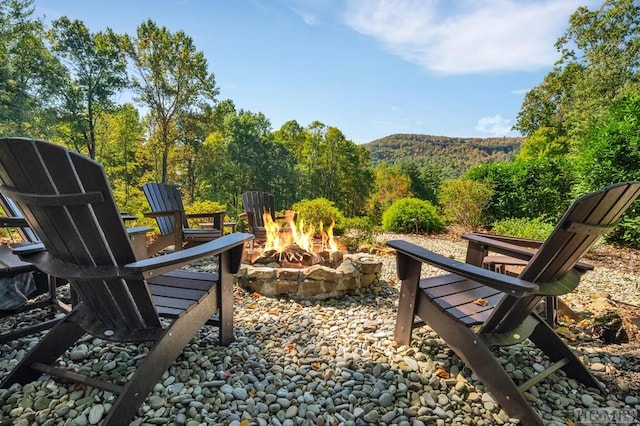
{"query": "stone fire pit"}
pixel 354 272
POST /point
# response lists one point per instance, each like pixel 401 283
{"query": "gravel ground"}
pixel 334 362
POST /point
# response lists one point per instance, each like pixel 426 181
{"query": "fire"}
pixel 279 238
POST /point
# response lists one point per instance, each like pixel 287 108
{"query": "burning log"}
pixel 293 256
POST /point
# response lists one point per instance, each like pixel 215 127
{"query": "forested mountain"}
pixel 454 155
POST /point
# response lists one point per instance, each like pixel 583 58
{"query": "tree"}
pixel 600 59
pixel 172 77
pixel 611 149
pixel 121 153
pixel 292 135
pixel 96 70
pixel 391 184
pixel 29 74
pixel 425 178
pixel 544 142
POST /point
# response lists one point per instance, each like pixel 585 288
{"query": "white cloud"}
pixel 496 125
pixel 520 91
pixel 466 36
pixel 312 12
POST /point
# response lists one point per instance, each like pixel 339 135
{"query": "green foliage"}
pixel 527 188
pixel 29 74
pixel 425 178
pixel 96 71
pixel 610 151
pixel 359 231
pixel 391 184
pixel 412 215
pixel 545 142
pixel 319 213
pixel 171 76
pixel 599 61
pixel 534 229
pixel 465 201
pixel 327 165
pixel 628 231
pixel 204 207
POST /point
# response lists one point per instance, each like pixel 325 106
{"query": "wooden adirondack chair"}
pixel 167 208
pixel 11 266
pixel 473 308
pixel 67 201
pixel 256 204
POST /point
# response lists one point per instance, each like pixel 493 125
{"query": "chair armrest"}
pixel 13 222
pixel 139 230
pixel 512 286
pixel 126 216
pixel 25 248
pixel 523 242
pixel 162 213
pixel 168 262
pixel 148 267
pixel 519 248
pixel 218 218
pixel 499 246
pixel 203 215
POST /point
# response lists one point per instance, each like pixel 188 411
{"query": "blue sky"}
pixel 371 68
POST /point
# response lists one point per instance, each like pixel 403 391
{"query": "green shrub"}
pixel 534 229
pixel 359 231
pixel 412 215
pixel 627 231
pixel 527 188
pixel 464 201
pixel 203 207
pixel 319 210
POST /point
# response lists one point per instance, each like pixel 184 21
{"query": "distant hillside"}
pixel 454 155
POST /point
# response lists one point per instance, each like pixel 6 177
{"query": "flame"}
pixel 279 238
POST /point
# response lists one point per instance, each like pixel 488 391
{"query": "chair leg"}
pixel 160 357
pixel 49 348
pixel 225 298
pixel 410 274
pixel 552 345
pixel 476 354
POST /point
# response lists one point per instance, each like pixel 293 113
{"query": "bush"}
pixel 203 207
pixel 627 231
pixel 319 210
pixel 534 229
pixel 359 231
pixel 464 202
pixel 527 188
pixel 412 215
pixel 610 150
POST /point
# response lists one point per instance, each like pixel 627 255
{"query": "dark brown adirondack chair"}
pixel 256 204
pixel 11 267
pixel 167 208
pixel 67 201
pixel 473 308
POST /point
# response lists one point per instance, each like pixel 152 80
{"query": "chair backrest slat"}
pixel 88 234
pixel 258 203
pixel 164 197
